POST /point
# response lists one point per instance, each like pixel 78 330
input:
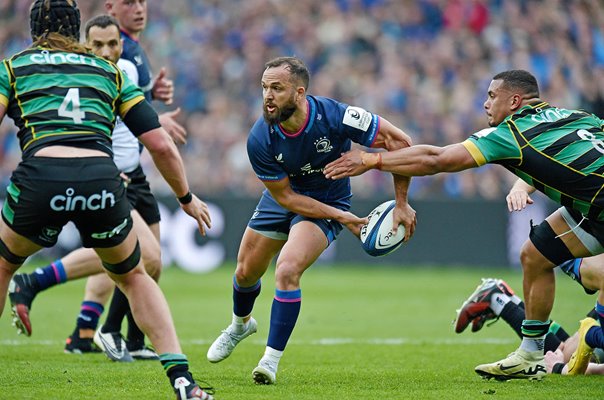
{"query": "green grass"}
pixel 363 333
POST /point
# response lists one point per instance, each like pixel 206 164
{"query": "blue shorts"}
pixel 274 221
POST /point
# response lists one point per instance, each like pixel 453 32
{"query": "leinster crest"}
pixel 323 145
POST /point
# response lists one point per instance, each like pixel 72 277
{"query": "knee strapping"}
pixel 552 247
pixel 9 255
pixel 127 265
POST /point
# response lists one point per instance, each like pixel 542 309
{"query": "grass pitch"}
pixel 363 333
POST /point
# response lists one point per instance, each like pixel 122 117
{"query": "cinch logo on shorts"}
pixel 69 202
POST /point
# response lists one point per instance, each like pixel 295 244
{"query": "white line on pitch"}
pixel 316 342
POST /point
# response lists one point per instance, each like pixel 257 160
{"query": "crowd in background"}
pixel 424 65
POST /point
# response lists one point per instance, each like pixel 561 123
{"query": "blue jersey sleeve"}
pixel 263 162
pixel 356 123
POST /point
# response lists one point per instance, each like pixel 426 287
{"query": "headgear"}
pixel 60 16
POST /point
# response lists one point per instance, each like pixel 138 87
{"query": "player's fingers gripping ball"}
pixel 377 236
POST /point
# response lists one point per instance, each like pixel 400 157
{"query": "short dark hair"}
pixel 296 67
pixel 102 21
pixel 519 79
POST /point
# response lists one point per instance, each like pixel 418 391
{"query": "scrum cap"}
pixel 60 16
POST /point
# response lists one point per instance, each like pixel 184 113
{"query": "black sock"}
pixel 136 337
pixel 513 314
pixel 553 337
pixel 117 311
pixel 559 331
pixel 175 365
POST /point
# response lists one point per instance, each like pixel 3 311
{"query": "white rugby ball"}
pixel 376 236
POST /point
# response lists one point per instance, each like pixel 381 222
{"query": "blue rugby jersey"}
pixel 133 52
pixel 329 129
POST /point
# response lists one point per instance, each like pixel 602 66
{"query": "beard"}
pixel 281 113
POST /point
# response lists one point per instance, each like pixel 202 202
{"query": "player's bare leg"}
pixel 305 244
pixel 15 249
pixel 256 251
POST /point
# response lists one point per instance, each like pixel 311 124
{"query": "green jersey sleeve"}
pixel 4 84
pixel 130 95
pixel 493 144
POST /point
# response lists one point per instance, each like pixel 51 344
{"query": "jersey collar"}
pixel 310 117
pixel 126 34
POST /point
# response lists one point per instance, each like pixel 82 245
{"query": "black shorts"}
pixel 45 193
pixel 140 197
pixel 589 232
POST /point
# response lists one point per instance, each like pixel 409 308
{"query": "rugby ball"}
pixel 377 237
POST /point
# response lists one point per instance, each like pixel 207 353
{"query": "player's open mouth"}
pixel 270 109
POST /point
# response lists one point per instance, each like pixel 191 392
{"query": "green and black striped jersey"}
pixel 559 152
pixel 56 97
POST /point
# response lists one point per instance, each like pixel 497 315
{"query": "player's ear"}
pixel 301 91
pixel 516 101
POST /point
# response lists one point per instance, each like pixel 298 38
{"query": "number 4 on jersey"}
pixel 70 107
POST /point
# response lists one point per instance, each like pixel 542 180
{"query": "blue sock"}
pixel 284 314
pixel 50 275
pixel 244 298
pixel 90 312
pixel 595 336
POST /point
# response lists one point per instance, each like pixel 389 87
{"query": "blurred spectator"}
pixel 418 63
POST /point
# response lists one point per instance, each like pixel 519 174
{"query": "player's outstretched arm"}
pixel 143 122
pixel 391 138
pixel 418 160
pixel 169 163
pixel 311 208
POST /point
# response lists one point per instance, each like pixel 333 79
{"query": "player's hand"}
pixel 200 212
pixel 353 223
pixel 125 178
pixel 570 345
pixel 552 358
pixel 176 131
pixel 163 88
pixel 518 199
pixel 404 215
pixel 349 164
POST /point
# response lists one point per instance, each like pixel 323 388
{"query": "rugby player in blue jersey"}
pixel 300 212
